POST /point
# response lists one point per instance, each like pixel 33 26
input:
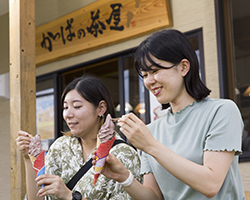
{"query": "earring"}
pixel 102 119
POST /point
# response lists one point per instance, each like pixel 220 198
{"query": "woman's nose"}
pixel 68 113
pixel 150 79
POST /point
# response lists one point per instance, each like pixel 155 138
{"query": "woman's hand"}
pixel 136 131
pixel 113 168
pixel 23 142
pixel 53 185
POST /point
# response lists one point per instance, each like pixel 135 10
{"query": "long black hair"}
pixel 93 90
pixel 172 46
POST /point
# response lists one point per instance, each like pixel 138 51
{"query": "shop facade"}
pixel 217 30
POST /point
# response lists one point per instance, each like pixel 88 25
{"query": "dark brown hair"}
pixel 172 46
pixel 93 90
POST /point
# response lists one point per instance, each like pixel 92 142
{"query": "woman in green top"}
pixel 192 151
pixel 85 102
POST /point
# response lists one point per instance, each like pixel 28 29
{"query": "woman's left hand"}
pixel 136 131
pixel 113 168
pixel 53 185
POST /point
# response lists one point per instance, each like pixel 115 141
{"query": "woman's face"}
pixel 80 115
pixel 167 85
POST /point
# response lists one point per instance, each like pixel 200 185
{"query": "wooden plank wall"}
pixel 22 85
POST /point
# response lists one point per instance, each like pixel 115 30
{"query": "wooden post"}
pixel 22 85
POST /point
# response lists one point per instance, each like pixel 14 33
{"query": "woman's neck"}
pixel 88 145
pixel 181 103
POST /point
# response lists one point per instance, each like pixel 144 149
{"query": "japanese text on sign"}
pixel 97 25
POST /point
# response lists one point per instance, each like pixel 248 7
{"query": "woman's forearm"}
pixel 32 189
pixel 206 178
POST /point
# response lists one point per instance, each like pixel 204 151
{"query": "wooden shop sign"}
pixel 102 23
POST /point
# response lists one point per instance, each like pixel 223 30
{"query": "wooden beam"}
pixel 22 85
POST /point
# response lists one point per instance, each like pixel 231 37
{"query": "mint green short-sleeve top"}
pixel 210 124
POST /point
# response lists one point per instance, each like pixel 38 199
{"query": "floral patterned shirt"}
pixel 65 158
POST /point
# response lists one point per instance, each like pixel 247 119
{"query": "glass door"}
pixel 134 94
pixel 241 46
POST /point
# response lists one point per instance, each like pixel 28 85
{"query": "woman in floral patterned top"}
pixel 85 101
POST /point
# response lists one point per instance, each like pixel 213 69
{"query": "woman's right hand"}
pixel 113 168
pixel 137 132
pixel 23 142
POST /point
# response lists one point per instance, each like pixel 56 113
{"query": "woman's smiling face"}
pixel 80 115
pixel 167 85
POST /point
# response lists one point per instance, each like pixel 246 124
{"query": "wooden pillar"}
pixel 22 85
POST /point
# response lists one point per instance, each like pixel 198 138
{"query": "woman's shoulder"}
pixel 209 100
pixel 224 108
pixel 219 103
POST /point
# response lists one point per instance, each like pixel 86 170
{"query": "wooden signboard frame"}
pixel 102 23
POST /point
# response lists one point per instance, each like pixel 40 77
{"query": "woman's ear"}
pixel 102 108
pixel 185 67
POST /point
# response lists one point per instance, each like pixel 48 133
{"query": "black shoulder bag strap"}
pixel 72 182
